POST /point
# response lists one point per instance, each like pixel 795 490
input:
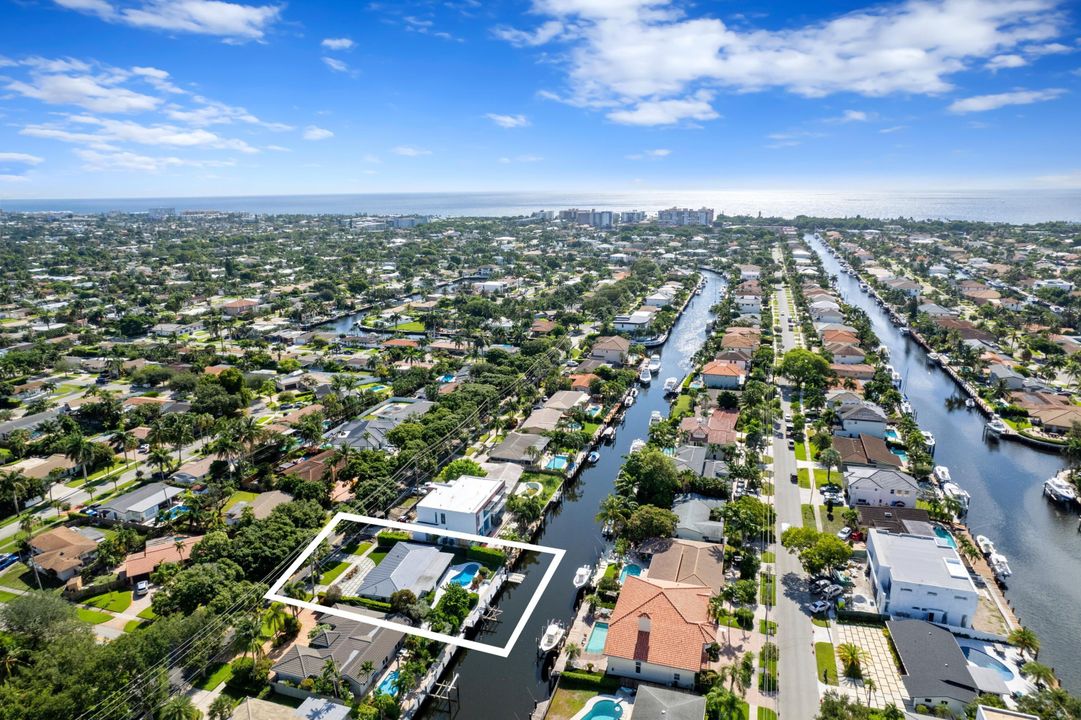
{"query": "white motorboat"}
pixel 1000 566
pixel 970 403
pixel 928 442
pixel 956 492
pixel 655 417
pixel 906 407
pixel 654 363
pixel 634 392
pixel 883 351
pixel 904 330
pixel 553 635
pixel 984 543
pixel 628 401
pixel 934 357
pixel 593 457
pixel 608 434
pixel 941 473
pixel 645 377
pixel 671 385
pixel 582 576
pixel 996 426
pixel 1058 489
pixel 637 445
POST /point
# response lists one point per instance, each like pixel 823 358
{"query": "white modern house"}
pixel 469 504
pixel 881 486
pixel 863 419
pixel 920 577
pixel 140 505
pixel 638 321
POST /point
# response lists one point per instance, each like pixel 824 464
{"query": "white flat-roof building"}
pixel 470 504
pixel 920 577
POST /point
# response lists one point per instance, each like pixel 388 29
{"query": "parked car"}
pixel 820 586
pixel 794 477
pixel 833 591
pixel 791 444
pixel 844 533
pixel 144 448
pixel 142 587
pixel 818 607
pixel 7 560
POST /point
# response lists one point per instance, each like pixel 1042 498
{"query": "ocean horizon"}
pixel 1009 206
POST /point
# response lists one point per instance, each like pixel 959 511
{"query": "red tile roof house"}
pixel 659 632
pixel 240 307
pixel 717 374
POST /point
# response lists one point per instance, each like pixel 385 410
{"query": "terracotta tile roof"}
pixel 716 367
pixel 677 618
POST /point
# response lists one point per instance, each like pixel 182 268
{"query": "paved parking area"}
pixel 880 665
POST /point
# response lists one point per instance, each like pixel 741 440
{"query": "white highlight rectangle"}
pixel 556 553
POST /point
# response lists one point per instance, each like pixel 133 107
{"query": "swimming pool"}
pixel 945 535
pixel 596 638
pixel 901 454
pixel 447 378
pixel 979 657
pixel 559 462
pixel 603 710
pixel 631 569
pixel 466 574
pixel 389 686
pixel 594 410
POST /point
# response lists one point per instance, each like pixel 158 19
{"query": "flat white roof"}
pixel 467 494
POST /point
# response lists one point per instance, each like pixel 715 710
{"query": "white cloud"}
pixel 99 94
pixel 157 78
pixel 631 57
pixel 667 112
pixel 983 103
pixel 1003 62
pixel 521 159
pixel 12 178
pixel 107 132
pixel 97 161
pixel 546 32
pixel 508 121
pixel 314 132
pixel 212 112
pixel 410 151
pixel 893 129
pixel 1067 180
pixel 22 158
pixel 854 116
pixel 335 64
pixel 343 43
pixel 655 154
pixel 233 21
pixel 1049 49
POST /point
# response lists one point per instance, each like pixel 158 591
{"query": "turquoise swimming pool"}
pixel 597 636
pixel 604 710
pixel 389 686
pixel 559 462
pixel 466 574
pixel 631 569
pixel 945 535
pixel 978 657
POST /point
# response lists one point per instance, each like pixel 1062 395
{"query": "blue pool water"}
pixel 559 462
pixel 389 686
pixel 945 535
pixel 594 410
pixel 378 388
pixel 604 710
pixel 597 638
pixel 978 657
pixel 891 434
pixel 449 377
pixel 900 453
pixel 631 569
pixel 176 511
pixel 466 574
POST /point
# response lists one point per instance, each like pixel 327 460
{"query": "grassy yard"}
pixel 410 327
pixel 356 547
pixel 768 556
pixel 332 574
pixel 805 478
pixel 808 514
pixel 682 408
pixel 240 496
pixel 132 625
pixel 6 596
pixel 117 601
pixel 17 576
pixel 767 589
pixel 827 664
pixel 219 674
pixel 94 617
pixel 376 556
pixel 828 525
pixel 148 614
pixel 567 703
pixel 766 714
pixel 801 451
pixel 550 482
pixel 767 627
pixel 591 428
pixel 821 477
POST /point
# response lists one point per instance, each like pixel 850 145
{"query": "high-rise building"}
pixel 685 216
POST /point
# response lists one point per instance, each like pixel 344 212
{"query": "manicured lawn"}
pixel 5 596
pixel 820 621
pixel 376 556
pixel 240 496
pixel 332 574
pixel 550 482
pixel 801 451
pixel 808 513
pixel 827 664
pixel 148 614
pixel 767 589
pixel 117 601
pixel 566 703
pixel 133 625
pixel 410 327
pixel 766 714
pixel 219 674
pixel 591 428
pixel 357 547
pixel 828 525
pixel 16 577
pixel 767 627
pixel 821 477
pixel 805 478
pixel 768 556
pixel 94 617
pixel 682 408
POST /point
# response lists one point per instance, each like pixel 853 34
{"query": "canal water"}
pixel 494 687
pixel 1005 479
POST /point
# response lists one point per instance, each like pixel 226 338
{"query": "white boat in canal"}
pixel 608 434
pixel 970 403
pixel 1000 566
pixel 593 457
pixel 637 445
pixel 906 407
pixel 929 442
pixel 934 357
pixel 582 576
pixel 956 492
pixel 671 385
pixel 553 635
pixel 655 417
pixel 941 473
pixel 654 362
pixel 996 426
pixel 645 377
pixel 629 400
pixel 1058 489
pixel 984 543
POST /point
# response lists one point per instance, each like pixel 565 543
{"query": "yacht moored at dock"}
pixel 1058 489
pixel 583 576
pixel 645 376
pixel 552 637
pixel 941 473
pixel 654 363
pixel 671 385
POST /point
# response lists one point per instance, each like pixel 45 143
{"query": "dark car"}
pixel 794 477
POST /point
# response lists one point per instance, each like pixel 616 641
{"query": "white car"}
pixel 833 591
pixel 844 533
pixel 818 607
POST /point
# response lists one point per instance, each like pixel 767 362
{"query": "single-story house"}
pixel 865 450
pixel 62 552
pixel 934 670
pixel 141 505
pixel 407 566
pixel 261 506
pixel 693 523
pixel 139 565
pixel 520 448
pixel 194 471
pixel 313 708
pixel 653 701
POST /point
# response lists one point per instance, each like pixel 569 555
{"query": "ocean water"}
pixel 1011 206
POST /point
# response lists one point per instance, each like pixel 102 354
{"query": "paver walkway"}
pixel 880 665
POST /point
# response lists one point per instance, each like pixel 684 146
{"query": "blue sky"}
pixel 129 98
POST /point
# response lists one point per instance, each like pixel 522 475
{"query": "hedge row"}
pixel 388 538
pixel 581 680
pixel 492 558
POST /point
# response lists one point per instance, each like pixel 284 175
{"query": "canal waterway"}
pixel 494 687
pixel 1005 479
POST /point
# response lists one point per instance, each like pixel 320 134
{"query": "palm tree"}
pixel 248 633
pixel 367 668
pixel 332 674
pixel 161 458
pixel 831 459
pixel 179 707
pixel 80 451
pixel 1039 673
pixel 870 686
pixel 275 617
pixel 851 656
pixel 124 440
pixel 574 650
pixel 296 591
pixel 27 524
pixel 15 483
pixel 180 546
pixel 1025 640
pixel 221 708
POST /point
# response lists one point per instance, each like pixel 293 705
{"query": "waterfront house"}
pixel 612 349
pixel 916 576
pixel 701 460
pixel 523 449
pixel 468 504
pixel 686 561
pixel 865 450
pixel 563 400
pixel 261 506
pixel 407 566
pixel 313 708
pixel 856 371
pixel 693 518
pixel 659 632
pixel 863 419
pixel 653 701
pixel 542 420
pixel 880 486
pixel 369 432
pixel 723 375
pixel 934 670
pixel 141 505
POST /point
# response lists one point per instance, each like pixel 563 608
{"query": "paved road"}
pixel 797 671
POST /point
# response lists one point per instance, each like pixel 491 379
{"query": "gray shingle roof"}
pixel 934 666
pixel 408 566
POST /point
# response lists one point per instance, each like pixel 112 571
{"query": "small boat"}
pixel 929 442
pixel 608 434
pixel 654 362
pixel 984 543
pixel 883 351
pixel 634 392
pixel 1058 489
pixel 655 417
pixel 582 576
pixel 628 401
pixel 593 457
pixel 970 403
pixel 671 385
pixel 996 426
pixel 934 357
pixel 904 330
pixel 553 635
pixel 906 407
pixel 942 474
pixel 1000 566
pixel 645 377
pixel 637 445
pixel 956 492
